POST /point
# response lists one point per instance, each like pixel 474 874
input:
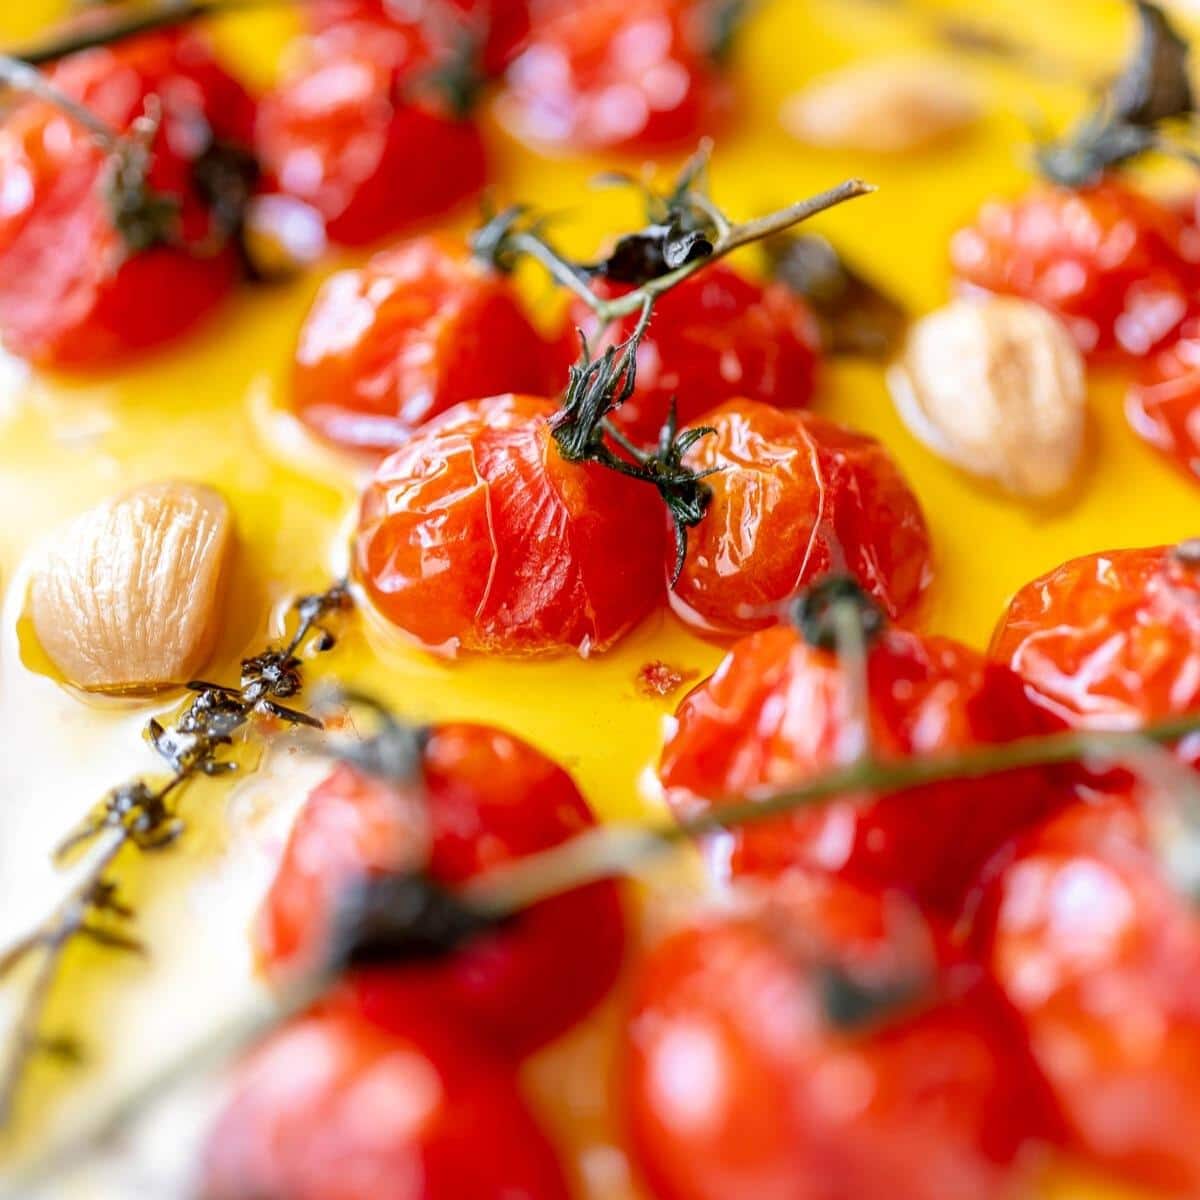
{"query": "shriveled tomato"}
pixel 794 497
pixel 822 1046
pixel 333 1109
pixel 715 337
pixel 76 291
pixel 1117 266
pixel 478 535
pixel 1111 640
pixel 779 710
pixel 355 132
pixel 617 75
pixel 419 328
pixel 1163 407
pixel 488 798
pixel 1100 957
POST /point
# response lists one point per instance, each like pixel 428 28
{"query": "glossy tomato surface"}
pixel 73 292
pixel 778 711
pixel 746 1075
pixel 1117 266
pixel 333 1109
pixel 1163 406
pixel 794 497
pixel 484 799
pixel 477 535
pixel 715 337
pixel 417 329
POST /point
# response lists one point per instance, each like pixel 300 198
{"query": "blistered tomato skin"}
pixel 332 1109
pixel 72 294
pixel 476 535
pixel 795 497
pixel 1116 266
pixel 715 337
pixel 421 327
pixel 1110 641
pixel 1163 406
pixel 616 75
pixel 484 798
pixel 341 133
pixel 739 1081
pixel 778 711
pixel 1100 957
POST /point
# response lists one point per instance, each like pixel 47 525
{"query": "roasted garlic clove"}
pixel 996 386
pixel 129 597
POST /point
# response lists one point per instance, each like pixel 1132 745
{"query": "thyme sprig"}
pixel 142 816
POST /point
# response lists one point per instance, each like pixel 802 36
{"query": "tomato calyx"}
pixel 819 612
pixel 392 751
pixel 852 1003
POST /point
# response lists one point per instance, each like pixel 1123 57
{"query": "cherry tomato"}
pixel 333 1109
pixel 355 132
pixel 1118 267
pixel 617 75
pixel 715 337
pixel 815 1047
pixel 1100 958
pixel 795 497
pixel 419 328
pixel 778 710
pixel 74 292
pixel 478 535
pixel 1112 640
pixel 1163 407
pixel 488 798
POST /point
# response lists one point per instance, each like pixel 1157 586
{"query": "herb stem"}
pixel 27 79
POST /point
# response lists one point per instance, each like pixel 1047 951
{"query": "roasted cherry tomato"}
pixel 358 132
pixel 1110 641
pixel 1118 267
pixel 1100 956
pixel 419 328
pixel 478 535
pixel 74 290
pixel 822 1046
pixel 795 497
pixel 1163 407
pixel 779 710
pixel 618 75
pixel 715 337
pixel 488 798
pixel 333 1109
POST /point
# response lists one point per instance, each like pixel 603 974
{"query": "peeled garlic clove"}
pixel 887 106
pixel 997 387
pixel 130 595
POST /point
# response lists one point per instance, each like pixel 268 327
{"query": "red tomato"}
pixel 1110 641
pixel 1100 957
pixel 419 328
pixel 332 1109
pixel 795 498
pixel 778 710
pixel 72 293
pixel 1118 267
pixel 715 337
pixel 743 1079
pixel 478 535
pixel 1163 407
pixel 346 133
pixel 488 798
pixel 617 75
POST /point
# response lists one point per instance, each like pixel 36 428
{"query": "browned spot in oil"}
pixel 661 679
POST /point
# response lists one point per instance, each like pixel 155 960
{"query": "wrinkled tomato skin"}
pixel 1100 957
pixel 716 337
pixel 421 327
pixel 1109 641
pixel 776 712
pixel 1118 267
pixel 1163 406
pixel 476 535
pixel 330 1108
pixel 486 799
pixel 794 497
pixel 339 134
pixel 738 1084
pixel 71 295
pixel 616 75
